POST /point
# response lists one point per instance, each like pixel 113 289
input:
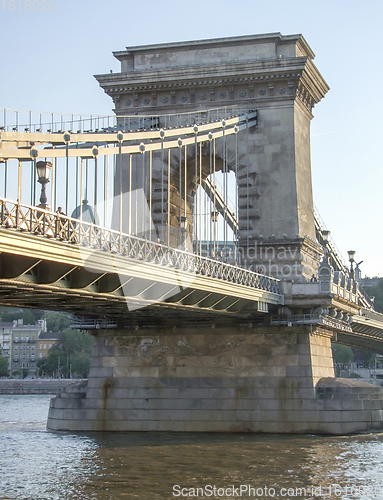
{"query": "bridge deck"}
pixel 57 260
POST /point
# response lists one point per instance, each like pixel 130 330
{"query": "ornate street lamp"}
pixel 182 222
pixel 183 228
pixel 326 238
pixel 43 172
pixel 326 235
pixel 351 255
pixel 214 218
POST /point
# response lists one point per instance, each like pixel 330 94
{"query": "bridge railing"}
pixel 364 299
pixel 47 224
pixel 372 315
pixel 34 121
pixel 339 264
pixel 312 319
pixel 344 287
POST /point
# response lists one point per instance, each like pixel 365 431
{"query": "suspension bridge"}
pixel 200 306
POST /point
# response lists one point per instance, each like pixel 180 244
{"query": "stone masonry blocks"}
pixel 227 379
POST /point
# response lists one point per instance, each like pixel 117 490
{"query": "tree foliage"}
pixel 10 314
pixel 71 354
pixel 363 357
pixel 342 354
pixel 56 321
pixel 4 372
pixel 80 363
pixel 50 365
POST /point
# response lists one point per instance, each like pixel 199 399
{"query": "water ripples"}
pixel 39 465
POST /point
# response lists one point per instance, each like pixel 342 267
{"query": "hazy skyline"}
pixel 49 59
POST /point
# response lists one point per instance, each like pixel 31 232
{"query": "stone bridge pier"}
pixel 236 378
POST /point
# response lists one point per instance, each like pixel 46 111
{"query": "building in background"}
pixel 23 355
pixel 45 343
pixel 23 345
pixel 5 340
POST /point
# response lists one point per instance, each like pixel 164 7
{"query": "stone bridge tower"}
pixel 272 74
pixel 174 370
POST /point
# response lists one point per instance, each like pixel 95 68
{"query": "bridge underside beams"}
pixel 30 281
pixel 134 299
pixel 363 337
pixel 227 379
pixel 129 311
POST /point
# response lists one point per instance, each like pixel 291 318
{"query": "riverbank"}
pixel 34 386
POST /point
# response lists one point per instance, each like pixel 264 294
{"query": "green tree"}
pixel 41 367
pixel 72 354
pixel 49 366
pixel 364 358
pixel 4 372
pixel 25 314
pixel 342 353
pixel 78 348
pixel 80 364
pixel 71 341
pixel 56 321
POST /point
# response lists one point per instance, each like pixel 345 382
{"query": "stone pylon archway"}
pixel 272 74
pixel 168 182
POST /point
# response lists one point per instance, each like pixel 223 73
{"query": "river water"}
pixel 37 464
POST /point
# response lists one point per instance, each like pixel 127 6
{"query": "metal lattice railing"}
pixel 35 121
pixel 338 262
pixel 44 223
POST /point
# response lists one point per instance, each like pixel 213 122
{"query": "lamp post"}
pixel 183 226
pixel 214 218
pixel 351 255
pixel 66 138
pixel 43 171
pixel 326 237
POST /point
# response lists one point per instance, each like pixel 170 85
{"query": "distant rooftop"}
pixel 49 335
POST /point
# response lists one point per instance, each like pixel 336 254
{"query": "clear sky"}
pixel 48 60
